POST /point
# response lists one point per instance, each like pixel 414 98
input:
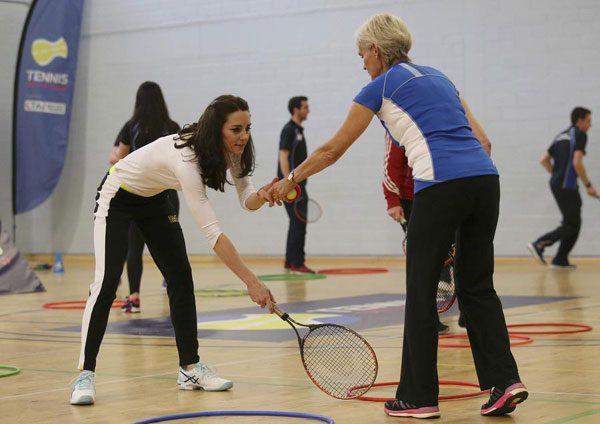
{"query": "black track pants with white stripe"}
pixel 156 219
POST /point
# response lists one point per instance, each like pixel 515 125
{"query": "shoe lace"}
pixel 494 396
pixel 83 381
pixel 205 370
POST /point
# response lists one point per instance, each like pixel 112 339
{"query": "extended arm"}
pixel 477 128
pixel 283 162
pixel 580 170
pixel 257 290
pixel 260 197
pixel 327 154
pixel 546 162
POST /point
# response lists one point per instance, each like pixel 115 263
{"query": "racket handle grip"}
pixel 280 312
pixel 403 223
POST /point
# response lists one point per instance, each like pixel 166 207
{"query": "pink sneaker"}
pixel 132 306
pixel 504 401
pixel 302 269
pixel 399 408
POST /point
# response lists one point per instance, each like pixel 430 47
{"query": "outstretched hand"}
pixel 280 189
pixel 264 193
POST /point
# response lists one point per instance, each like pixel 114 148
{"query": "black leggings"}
pixel 467 209
pixel 135 248
pixel 156 219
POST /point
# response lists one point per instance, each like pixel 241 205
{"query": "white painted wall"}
pixel 521 64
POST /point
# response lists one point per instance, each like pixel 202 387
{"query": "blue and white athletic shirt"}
pixel 420 109
pixel 562 151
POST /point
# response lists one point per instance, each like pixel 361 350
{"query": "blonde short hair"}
pixel 387 32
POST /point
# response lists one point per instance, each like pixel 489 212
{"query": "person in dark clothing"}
pixel 292 151
pixel 457 199
pixel 564 161
pixel 149 122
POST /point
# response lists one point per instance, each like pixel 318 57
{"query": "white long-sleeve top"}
pixel 159 166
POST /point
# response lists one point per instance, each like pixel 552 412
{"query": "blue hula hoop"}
pixel 236 413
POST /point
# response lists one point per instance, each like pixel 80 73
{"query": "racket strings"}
pixel 446 286
pixel 308 210
pixel 338 360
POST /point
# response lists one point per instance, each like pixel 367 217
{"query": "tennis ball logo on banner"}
pixel 44 51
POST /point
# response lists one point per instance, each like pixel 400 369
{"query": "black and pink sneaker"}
pixel 132 306
pixel 399 408
pixel 504 401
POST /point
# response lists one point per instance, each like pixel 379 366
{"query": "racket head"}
pixel 446 292
pixel 307 210
pixel 339 361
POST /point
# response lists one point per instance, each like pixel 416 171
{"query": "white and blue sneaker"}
pixel 537 252
pixel 83 390
pixel 201 378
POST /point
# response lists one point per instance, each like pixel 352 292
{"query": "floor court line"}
pixel 565 393
pixel 472 366
pixel 574 417
pixel 102 383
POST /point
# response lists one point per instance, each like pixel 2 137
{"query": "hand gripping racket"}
pixel 446 291
pixel 337 360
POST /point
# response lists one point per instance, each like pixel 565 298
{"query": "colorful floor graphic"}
pixel 356 312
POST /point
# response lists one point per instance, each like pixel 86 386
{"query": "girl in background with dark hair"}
pixel 134 191
pixel 150 121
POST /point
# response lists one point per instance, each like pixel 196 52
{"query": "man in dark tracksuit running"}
pixel 564 161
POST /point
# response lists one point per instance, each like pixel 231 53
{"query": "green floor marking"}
pixel 575 417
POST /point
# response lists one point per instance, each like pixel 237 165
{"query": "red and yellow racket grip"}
pixel 293 194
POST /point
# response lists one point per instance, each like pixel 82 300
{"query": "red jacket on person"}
pixel 397 175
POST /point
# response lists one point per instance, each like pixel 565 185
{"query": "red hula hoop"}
pixel 441 382
pixel 351 271
pixel 523 340
pixel 78 304
pixel 577 328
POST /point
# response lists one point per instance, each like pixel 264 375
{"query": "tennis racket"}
pixel 337 360
pixel 446 291
pixel 307 210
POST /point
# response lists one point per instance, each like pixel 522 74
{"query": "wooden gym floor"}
pixel 136 373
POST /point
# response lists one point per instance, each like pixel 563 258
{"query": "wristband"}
pixel 588 185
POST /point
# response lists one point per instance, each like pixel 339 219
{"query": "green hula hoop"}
pixel 291 277
pixel 13 370
pixel 220 292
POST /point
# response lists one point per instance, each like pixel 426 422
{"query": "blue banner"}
pixel 44 85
